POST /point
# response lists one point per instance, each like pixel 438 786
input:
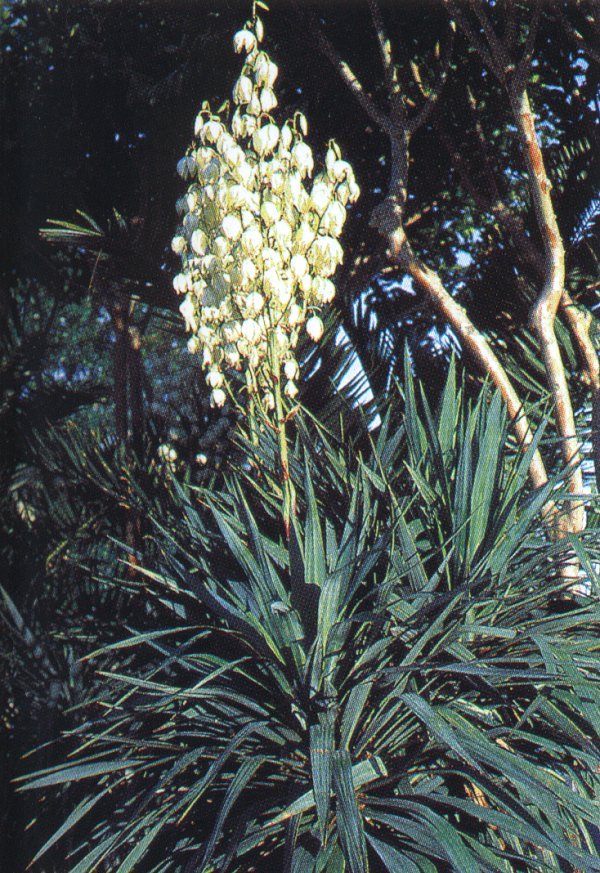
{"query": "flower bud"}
pixel 291 389
pixel 218 398
pixel 259 29
pixel 314 328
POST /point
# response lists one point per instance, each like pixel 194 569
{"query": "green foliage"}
pixel 403 685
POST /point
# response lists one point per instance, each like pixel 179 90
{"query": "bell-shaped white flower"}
pixel 291 369
pixel 251 330
pixel 325 254
pixel 243 90
pixel 271 281
pixel 299 266
pixel 231 331
pixel 324 289
pixel 341 170
pixel 282 233
pixel 320 197
pixel 214 378
pixel 286 137
pixel 190 222
pixel 253 107
pixel 333 219
pixel 211 131
pixel 268 401
pixel 314 328
pixel 271 258
pixel 232 227
pixel 294 314
pixel 188 310
pixel 283 291
pixel 302 158
pixel 305 284
pixel 231 355
pixel 182 168
pixel 269 212
pixel 251 240
pixel 265 139
pixel 220 247
pixel 179 244
pixel 238 125
pixel 304 237
pixel 268 100
pixel 244 41
pixel 254 302
pixel 199 242
pixel 193 345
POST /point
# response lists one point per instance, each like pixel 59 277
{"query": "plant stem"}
pixel 289 493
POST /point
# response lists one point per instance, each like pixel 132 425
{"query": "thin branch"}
pixel 433 96
pixel 477 43
pixel 524 64
pixel 325 45
pixel 576 38
pixel 497 48
pixel 385 48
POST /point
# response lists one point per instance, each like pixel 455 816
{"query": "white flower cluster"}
pixel 259 236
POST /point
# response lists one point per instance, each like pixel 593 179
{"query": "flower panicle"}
pixel 259 233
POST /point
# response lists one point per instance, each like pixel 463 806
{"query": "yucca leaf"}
pixel 321 750
pixel 349 819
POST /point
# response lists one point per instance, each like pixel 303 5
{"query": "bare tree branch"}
pixel 478 44
pixel 377 116
pixel 576 37
pixel 385 49
pixel 433 96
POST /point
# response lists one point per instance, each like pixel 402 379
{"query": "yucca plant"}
pixel 404 684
